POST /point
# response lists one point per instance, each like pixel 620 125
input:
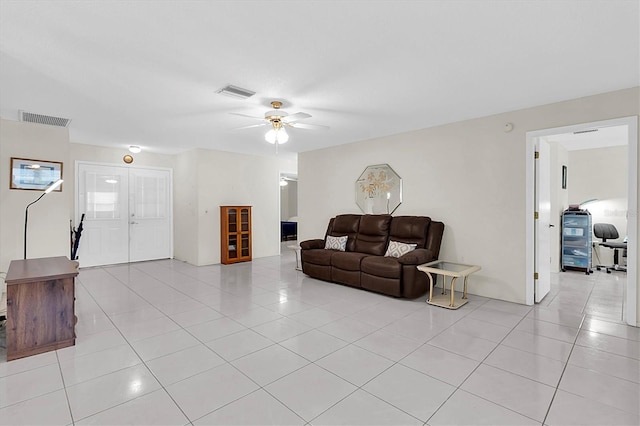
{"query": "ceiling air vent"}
pixel 579 132
pixel 44 119
pixel 236 92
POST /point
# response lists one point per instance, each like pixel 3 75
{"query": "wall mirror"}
pixel 378 190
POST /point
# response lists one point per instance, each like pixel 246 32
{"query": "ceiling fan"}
pixel 279 120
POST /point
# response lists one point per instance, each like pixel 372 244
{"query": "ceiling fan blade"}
pixel 295 117
pixel 245 115
pixel 251 126
pixel 307 126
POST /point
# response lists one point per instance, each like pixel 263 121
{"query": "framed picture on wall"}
pixel 564 177
pixel 34 175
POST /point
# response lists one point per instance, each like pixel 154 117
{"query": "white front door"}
pixel 150 214
pixel 542 263
pixel 127 214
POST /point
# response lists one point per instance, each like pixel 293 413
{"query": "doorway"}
pixel 630 124
pixel 127 214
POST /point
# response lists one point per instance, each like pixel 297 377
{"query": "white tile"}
pixel 569 409
pixel 211 330
pixel 255 316
pixel 155 408
pixel 606 363
pixel 539 345
pixel 441 364
pixel 494 316
pixel 257 408
pixel 93 343
pixel 316 317
pixel 239 344
pixel 289 306
pixel 462 343
pixel 612 344
pixel 48 409
pixel 201 394
pixel 183 364
pixel 414 329
pixel 80 369
pixel 90 397
pixel 354 364
pixel 619 393
pixel 361 408
pixel 325 391
pixel 611 328
pixel 164 344
pixel 414 393
pixel 547 329
pixel 145 329
pixel 313 344
pixel 388 345
pixel 526 364
pixel 281 329
pixel 348 329
pixel 464 408
pixel 29 384
pixel 197 316
pixel 522 395
pixel 145 314
pixel 269 364
pixel 481 329
pixel 557 316
pixel 27 363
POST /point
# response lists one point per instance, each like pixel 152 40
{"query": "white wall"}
pixel 225 178
pixel 48 233
pixel 470 174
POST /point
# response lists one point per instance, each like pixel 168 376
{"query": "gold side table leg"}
pixel 464 292
pixel 453 292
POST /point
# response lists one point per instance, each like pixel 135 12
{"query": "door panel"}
pixel 150 213
pixel 543 223
pixel 127 214
pixel 103 199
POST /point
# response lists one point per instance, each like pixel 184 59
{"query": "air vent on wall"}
pixel 579 132
pixel 44 119
pixel 236 92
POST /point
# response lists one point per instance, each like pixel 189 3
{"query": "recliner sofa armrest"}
pixel 417 257
pixel 312 244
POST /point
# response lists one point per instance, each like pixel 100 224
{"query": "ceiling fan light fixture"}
pixel 282 136
pixel 270 136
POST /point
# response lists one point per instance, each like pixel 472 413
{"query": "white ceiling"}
pixel 146 72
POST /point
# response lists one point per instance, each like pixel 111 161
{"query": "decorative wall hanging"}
pixel 379 190
pixel 34 175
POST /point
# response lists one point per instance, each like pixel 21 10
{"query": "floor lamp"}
pixel 50 188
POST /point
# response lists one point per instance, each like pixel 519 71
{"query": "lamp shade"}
pixel 270 136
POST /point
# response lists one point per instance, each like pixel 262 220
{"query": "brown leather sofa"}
pixel 363 263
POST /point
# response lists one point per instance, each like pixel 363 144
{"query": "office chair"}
pixel 606 231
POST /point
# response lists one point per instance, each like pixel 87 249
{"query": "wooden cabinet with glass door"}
pixel 235 234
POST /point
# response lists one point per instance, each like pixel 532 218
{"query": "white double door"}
pixel 127 214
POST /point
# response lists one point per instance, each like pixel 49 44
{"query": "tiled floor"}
pixel 260 343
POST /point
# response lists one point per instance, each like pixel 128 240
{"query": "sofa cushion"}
pixel 387 267
pixel 346 224
pixel 373 234
pixel 336 243
pixel 410 229
pixel 349 261
pixel 317 256
pixel 397 249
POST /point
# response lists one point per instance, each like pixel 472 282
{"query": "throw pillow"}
pixel 336 243
pixel 397 249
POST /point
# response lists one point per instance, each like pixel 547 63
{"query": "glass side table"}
pixel 447 269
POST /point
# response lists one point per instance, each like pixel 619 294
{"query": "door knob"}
pixel 134 223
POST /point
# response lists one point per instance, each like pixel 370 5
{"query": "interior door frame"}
pixel 76 195
pixel 630 313
pixel 542 225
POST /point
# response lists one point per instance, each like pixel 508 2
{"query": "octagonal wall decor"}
pixel 379 190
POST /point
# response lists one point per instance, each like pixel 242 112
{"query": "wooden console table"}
pixel 40 305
